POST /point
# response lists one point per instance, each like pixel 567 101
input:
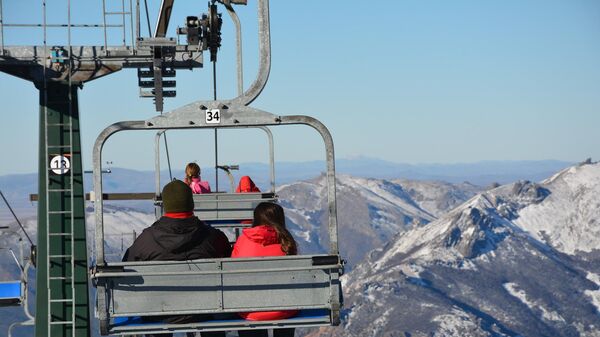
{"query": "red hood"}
pixel 246 185
pixel 262 234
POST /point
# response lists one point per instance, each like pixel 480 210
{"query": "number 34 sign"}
pixel 213 116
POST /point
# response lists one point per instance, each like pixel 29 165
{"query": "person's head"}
pixel 270 214
pixel 246 185
pixel 192 170
pixel 177 197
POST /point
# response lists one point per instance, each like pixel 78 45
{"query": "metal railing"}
pixel 126 20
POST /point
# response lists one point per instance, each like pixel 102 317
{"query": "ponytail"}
pixel 191 170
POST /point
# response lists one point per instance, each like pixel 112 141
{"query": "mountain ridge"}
pixel 476 272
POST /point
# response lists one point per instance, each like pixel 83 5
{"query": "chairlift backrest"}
pixel 228 206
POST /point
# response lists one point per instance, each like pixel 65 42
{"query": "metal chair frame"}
pixel 112 279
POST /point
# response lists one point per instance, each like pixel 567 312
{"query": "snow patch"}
pixel 594 294
pixel 305 235
pixel 375 191
pixel 456 323
pixel 380 322
pixel 568 218
pixel 514 290
pixel 467 265
pixel 411 270
pixel 371 293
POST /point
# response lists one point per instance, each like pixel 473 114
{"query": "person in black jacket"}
pixel 178 236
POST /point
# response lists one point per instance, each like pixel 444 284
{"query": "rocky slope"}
pixel 370 211
pixel 519 260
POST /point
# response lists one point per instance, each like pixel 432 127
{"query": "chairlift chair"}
pixel 129 290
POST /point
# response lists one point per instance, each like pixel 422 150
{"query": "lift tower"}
pixel 58 72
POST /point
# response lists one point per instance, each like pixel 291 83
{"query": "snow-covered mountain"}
pixel 370 211
pixel 519 260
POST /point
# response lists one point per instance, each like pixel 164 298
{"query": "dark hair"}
pixel 270 214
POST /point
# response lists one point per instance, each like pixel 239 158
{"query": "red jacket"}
pixel 246 185
pixel 260 241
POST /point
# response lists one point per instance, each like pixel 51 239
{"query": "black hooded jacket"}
pixel 170 239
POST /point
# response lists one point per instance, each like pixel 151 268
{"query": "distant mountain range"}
pixel 478 173
pixel 18 187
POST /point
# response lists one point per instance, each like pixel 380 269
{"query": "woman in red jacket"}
pixel 267 237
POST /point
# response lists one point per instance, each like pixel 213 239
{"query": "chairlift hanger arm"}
pixel 228 169
pixel 164 15
pixel 264 37
pixel 248 96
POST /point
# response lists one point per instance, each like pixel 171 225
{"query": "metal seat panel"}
pixel 283 289
pixel 155 295
pixel 290 281
pixel 10 293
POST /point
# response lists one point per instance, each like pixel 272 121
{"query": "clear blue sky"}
pixel 406 81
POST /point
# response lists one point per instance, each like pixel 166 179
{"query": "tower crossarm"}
pixel 89 62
